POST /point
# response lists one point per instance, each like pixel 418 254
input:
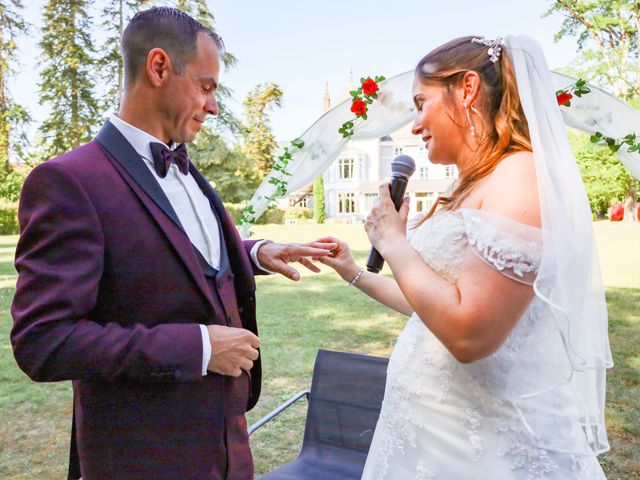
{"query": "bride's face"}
pixel 435 122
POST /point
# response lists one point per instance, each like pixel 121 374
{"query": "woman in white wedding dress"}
pixel 499 372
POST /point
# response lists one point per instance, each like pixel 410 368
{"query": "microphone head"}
pixel 403 166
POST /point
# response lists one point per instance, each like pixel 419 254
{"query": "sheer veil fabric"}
pixel 569 279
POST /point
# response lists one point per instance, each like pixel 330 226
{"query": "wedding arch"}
pixel 597 111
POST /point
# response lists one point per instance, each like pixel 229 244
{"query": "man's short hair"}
pixel 162 27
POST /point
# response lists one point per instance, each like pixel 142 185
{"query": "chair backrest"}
pixel 344 403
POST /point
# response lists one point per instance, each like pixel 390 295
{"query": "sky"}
pixel 301 44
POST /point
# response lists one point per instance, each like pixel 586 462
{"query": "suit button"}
pixel 229 319
pixel 177 374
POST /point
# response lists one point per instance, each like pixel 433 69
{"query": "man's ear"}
pixel 470 88
pixel 158 66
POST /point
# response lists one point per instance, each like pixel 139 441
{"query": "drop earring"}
pixel 471 127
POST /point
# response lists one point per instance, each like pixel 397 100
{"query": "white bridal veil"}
pixel 569 280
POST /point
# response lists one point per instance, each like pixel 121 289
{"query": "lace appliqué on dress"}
pixel 512 248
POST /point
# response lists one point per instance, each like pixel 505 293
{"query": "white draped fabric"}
pixel 596 111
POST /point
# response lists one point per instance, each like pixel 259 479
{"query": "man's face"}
pixel 188 98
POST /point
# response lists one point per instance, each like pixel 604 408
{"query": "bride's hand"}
pixel 341 259
pixel 384 224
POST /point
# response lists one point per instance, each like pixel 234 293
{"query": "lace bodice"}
pixel 508 399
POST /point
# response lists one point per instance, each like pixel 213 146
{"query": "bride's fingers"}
pixel 328 261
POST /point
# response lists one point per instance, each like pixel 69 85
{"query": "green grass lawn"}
pixel 295 320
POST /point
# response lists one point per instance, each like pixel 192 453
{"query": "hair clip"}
pixel 495 47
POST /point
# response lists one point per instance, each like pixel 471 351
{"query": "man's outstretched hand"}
pixel 277 256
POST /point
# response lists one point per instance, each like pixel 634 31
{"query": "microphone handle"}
pixel 397 187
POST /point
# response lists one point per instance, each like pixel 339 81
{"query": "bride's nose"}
pixel 416 128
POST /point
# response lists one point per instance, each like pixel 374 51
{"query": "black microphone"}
pixel 402 168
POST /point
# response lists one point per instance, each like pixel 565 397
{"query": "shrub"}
pixel 11 184
pixel 275 215
pixel 319 212
pixel 9 218
pixel 235 210
pixel 298 213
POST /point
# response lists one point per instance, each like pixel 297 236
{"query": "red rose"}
pixel 564 98
pixel 369 87
pixel 358 107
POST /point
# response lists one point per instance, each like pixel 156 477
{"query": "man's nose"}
pixel 211 106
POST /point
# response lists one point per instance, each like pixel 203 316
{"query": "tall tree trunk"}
pixel 4 108
pixel 121 67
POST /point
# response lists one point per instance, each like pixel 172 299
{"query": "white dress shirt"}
pixel 191 206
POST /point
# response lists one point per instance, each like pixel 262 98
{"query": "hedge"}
pixel 9 218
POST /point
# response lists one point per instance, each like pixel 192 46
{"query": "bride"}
pixel 499 372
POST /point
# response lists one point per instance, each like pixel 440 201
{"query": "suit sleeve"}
pixel 60 260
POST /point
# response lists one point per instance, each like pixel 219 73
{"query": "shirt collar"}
pixel 139 140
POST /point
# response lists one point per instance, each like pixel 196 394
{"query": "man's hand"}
pixel 232 350
pixel 276 256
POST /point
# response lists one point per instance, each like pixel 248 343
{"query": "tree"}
pixel 608 41
pixel 605 178
pixel 68 77
pixel 319 213
pixel 259 142
pixel 117 14
pixel 12 115
pixel 228 169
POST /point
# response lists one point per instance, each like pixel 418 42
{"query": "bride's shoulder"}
pixel 512 190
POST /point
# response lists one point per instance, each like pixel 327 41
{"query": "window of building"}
pixel 424 201
pixel 450 171
pixel 369 198
pixel 423 172
pixel 345 168
pixel 346 202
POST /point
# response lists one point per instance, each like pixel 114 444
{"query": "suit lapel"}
pixel 143 183
pixel 118 146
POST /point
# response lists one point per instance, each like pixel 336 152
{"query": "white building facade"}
pixel 351 183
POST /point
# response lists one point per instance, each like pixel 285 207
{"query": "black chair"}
pixel 344 405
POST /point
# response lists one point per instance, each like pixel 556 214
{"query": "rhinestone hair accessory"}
pixel 495 47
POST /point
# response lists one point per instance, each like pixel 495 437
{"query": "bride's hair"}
pixel 504 128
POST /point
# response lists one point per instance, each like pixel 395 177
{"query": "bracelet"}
pixel 353 282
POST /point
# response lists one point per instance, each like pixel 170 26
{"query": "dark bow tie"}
pixel 162 158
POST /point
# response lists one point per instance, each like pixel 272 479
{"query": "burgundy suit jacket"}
pixel 110 294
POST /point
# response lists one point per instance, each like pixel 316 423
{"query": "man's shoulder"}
pixel 86 165
pixel 87 159
pixel 77 157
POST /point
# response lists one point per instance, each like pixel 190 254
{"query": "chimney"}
pixel 326 99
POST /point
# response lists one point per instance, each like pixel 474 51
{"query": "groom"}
pixel 134 283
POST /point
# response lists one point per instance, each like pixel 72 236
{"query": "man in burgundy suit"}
pixel 134 283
